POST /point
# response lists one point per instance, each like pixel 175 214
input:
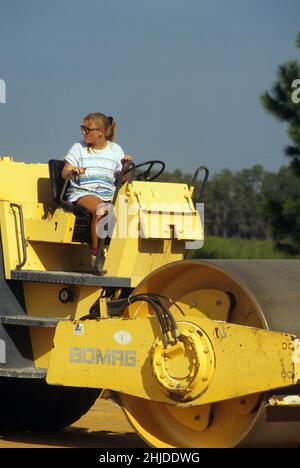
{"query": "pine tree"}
pixel 280 103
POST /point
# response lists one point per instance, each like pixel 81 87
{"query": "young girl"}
pixel 92 166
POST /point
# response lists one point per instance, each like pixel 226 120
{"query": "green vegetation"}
pixel 233 248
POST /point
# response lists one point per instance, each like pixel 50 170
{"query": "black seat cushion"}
pixel 56 180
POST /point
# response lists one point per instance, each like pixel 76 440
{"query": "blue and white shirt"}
pixel 101 169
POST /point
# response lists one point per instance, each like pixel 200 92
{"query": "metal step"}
pixel 65 277
pixel 30 321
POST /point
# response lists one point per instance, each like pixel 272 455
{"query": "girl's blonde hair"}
pixel 102 121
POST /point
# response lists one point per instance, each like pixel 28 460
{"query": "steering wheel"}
pixel 146 175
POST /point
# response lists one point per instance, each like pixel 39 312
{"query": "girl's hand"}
pixel 124 161
pixel 126 158
pixel 75 172
pixel 79 170
pixel 69 171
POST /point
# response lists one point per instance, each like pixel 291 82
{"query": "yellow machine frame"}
pixel 211 350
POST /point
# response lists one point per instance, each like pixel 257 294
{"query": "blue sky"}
pixel 182 78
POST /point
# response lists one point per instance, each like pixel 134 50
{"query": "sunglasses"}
pixel 86 130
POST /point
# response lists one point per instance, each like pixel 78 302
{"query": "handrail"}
pixel 195 176
pixel 21 218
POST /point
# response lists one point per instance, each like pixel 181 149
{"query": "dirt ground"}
pixel 104 426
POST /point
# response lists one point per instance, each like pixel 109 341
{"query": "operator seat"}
pixel 82 230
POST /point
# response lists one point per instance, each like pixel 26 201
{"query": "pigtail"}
pixel 110 131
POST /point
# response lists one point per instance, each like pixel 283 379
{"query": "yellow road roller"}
pixel 197 353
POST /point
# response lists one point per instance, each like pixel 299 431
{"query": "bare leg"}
pixel 90 202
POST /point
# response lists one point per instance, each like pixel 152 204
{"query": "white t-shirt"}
pixel 101 169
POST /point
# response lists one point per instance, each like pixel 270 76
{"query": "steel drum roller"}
pixel 265 294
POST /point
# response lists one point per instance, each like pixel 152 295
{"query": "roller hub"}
pixel 185 369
